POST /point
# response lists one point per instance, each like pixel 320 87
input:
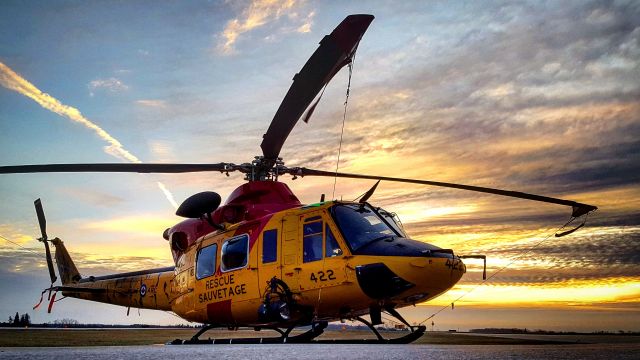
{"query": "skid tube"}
pixel 309 337
pixel 415 334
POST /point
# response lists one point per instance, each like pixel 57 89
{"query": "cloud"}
pixel 602 255
pixel 14 234
pixel 541 101
pixel 21 261
pixel 536 98
pixel 149 224
pixel 256 14
pixel 11 80
pixel 603 249
pixel 111 85
pixel 579 293
pixel 99 253
pixel 162 150
pixel 94 197
pixel 152 103
pixel 306 26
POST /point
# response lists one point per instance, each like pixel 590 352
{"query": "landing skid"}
pixel 309 337
pixel 415 334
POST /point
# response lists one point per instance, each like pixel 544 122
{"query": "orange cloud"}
pixel 150 224
pixel 15 234
pixel 587 292
pixel 256 14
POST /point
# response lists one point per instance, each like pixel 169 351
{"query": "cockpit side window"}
pixel 312 241
pixel 393 220
pixel 331 248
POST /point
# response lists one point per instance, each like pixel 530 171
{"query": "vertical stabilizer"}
pixel 66 268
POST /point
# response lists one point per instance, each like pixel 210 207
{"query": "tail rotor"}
pixel 43 230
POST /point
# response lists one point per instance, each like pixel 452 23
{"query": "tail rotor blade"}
pixel 52 273
pixel 41 220
pixel 43 229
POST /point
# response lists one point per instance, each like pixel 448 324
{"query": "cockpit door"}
pixel 313 260
pixel 321 264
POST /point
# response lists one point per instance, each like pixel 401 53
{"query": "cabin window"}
pixel 235 253
pixel 331 245
pixel 312 241
pixel 206 261
pixel 269 246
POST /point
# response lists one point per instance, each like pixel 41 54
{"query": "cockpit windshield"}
pixel 361 225
pixel 393 220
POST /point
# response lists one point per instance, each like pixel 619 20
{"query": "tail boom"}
pixel 147 289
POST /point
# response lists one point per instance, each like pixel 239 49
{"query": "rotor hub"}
pixel 263 169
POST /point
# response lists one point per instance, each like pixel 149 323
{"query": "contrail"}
pixel 13 81
pixel 168 195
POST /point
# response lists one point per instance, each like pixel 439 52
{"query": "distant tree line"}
pixel 24 320
pixel 547 332
pixel 18 320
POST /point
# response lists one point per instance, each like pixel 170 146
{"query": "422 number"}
pixel 322 276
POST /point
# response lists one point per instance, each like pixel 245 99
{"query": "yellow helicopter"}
pixel 265 260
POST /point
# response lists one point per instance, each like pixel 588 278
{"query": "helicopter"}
pixel 263 259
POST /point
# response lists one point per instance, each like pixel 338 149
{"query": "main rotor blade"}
pixel 578 208
pixel 334 52
pixel 41 219
pixel 117 167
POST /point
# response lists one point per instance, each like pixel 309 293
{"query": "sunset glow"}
pixel 574 293
pixel 539 98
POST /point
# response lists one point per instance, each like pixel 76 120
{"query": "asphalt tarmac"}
pixel 342 352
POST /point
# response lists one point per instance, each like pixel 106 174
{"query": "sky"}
pixel 537 96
